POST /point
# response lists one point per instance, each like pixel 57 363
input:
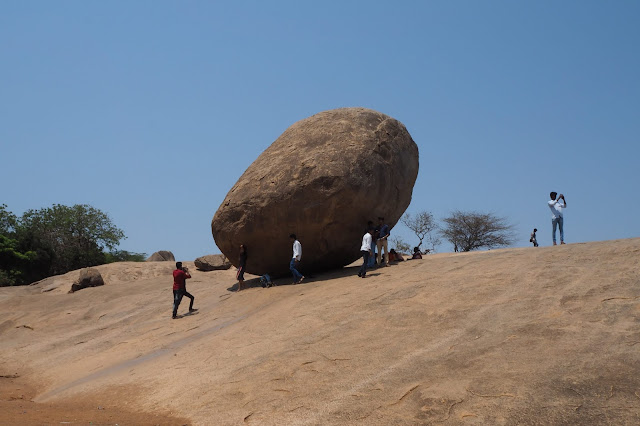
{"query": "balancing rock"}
pixel 322 179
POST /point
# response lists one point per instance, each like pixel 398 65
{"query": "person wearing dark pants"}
pixel 365 250
pixel 242 265
pixel 180 275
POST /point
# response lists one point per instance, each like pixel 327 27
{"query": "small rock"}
pixel 89 277
pixel 212 262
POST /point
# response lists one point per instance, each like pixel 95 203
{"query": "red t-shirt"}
pixel 179 277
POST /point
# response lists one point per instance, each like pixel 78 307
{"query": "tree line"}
pixel 465 230
pixel 55 240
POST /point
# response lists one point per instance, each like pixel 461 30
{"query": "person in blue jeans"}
pixel 372 253
pixel 557 204
pixel 295 260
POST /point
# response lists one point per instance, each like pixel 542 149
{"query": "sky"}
pixel 151 110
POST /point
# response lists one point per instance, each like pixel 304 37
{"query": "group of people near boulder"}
pixel 374 241
pixel 378 238
pixel 293 265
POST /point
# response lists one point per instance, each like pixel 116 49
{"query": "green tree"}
pixel 472 230
pixel 7 221
pixel 14 265
pixel 124 256
pixel 68 238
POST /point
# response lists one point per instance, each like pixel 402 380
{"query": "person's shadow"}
pixel 188 314
pixel 252 283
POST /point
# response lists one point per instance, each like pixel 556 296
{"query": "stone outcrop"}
pixel 161 256
pixel 322 179
pixel 89 277
pixel 212 262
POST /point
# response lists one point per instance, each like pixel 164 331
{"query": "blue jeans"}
pixel 372 258
pixel 292 267
pixel 557 222
pixel 363 268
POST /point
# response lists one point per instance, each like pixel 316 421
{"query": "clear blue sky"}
pixel 151 110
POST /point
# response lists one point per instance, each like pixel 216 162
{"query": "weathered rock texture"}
pixel 212 262
pixel 161 256
pixel 89 277
pixel 322 179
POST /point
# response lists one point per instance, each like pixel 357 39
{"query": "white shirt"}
pixel 556 208
pixel 366 242
pixel 297 250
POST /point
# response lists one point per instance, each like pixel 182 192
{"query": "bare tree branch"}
pixel 473 230
pixel 423 225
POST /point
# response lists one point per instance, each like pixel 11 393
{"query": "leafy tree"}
pixel 68 237
pixel 124 256
pixel 424 226
pixel 14 265
pixel 7 221
pixel 472 230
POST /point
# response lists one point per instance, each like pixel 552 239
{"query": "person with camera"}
pixel 557 204
pixel 180 276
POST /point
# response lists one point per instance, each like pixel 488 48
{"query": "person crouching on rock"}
pixel 180 276
pixel 242 264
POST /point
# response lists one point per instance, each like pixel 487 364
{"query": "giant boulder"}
pixel 322 179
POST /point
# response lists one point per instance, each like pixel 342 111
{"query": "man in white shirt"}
pixel 557 204
pixel 365 251
pixel 295 261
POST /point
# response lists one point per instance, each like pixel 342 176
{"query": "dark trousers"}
pixel 177 298
pixel 365 258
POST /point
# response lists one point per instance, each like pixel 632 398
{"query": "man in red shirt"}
pixel 180 276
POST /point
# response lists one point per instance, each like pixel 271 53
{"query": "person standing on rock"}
pixel 365 251
pixel 533 238
pixel 295 261
pixel 180 276
pixel 372 254
pixel 557 205
pixel 382 242
pixel 242 264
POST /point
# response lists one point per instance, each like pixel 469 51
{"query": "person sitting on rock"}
pixel 395 256
pixel 416 253
pixel 180 276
